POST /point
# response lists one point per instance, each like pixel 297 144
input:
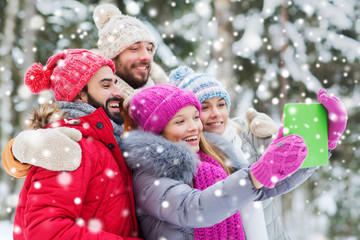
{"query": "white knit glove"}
pixel 54 149
pixel 158 75
pixel 127 91
pixel 260 124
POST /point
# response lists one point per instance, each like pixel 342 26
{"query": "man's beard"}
pixel 118 119
pixel 134 82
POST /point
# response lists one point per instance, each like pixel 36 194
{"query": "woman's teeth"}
pixel 194 138
pixel 214 124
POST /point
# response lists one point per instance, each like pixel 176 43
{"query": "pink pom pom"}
pixel 37 78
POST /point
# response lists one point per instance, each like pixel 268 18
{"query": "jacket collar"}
pixel 78 109
pixel 163 158
pixel 98 126
pixel 93 125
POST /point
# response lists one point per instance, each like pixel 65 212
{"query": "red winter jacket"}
pixel 97 204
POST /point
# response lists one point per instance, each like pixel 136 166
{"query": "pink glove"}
pixel 283 157
pixel 337 116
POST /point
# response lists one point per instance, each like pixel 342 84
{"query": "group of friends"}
pixel 121 155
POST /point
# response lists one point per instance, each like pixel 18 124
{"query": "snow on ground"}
pixel 5 230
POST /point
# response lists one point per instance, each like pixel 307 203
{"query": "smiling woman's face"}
pixel 185 126
pixel 214 115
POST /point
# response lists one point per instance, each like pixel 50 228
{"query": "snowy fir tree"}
pixel 267 53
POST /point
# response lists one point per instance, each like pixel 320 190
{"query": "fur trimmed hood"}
pixel 63 135
pixel 44 115
pixel 163 158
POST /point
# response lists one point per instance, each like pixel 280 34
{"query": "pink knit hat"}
pixel 153 107
pixel 65 73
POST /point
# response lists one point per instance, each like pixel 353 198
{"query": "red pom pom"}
pixel 37 78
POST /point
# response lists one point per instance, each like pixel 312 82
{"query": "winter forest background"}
pixel 267 53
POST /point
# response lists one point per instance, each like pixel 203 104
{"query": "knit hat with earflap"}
pixel 117 31
pixel 65 73
pixel 204 86
pixel 153 107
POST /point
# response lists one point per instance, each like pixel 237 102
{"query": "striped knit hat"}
pixel 117 31
pixel 204 86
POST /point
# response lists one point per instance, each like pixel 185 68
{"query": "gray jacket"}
pixel 168 207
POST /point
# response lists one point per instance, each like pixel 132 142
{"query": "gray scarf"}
pixel 76 109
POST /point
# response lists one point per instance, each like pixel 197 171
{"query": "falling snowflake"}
pixel 242 182
pixel 176 161
pixel 80 222
pixel 125 213
pixel 160 149
pixel 86 125
pixel 37 185
pixel 110 173
pixel 77 201
pixel 333 117
pixel 133 8
pixel 95 225
pixel 200 218
pixel 275 101
pixel 257 205
pixel 17 229
pixel 274 179
pixel 153 12
pixel 218 192
pixel 165 204
pixel 286 130
pixel 64 179
pixel 46 153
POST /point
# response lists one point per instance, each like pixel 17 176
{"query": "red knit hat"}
pixel 66 73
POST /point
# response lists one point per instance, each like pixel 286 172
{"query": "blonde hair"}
pixel 217 155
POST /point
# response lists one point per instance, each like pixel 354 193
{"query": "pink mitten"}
pixel 337 116
pixel 280 133
pixel 282 157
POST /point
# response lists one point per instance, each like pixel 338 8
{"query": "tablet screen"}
pixel 310 122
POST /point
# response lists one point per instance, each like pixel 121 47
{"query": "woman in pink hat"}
pixel 191 185
pixel 260 220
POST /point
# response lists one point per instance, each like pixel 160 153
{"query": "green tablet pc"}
pixel 310 122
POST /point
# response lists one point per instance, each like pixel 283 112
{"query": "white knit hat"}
pixel 117 31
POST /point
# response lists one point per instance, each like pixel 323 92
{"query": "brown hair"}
pixel 44 115
pixel 214 152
